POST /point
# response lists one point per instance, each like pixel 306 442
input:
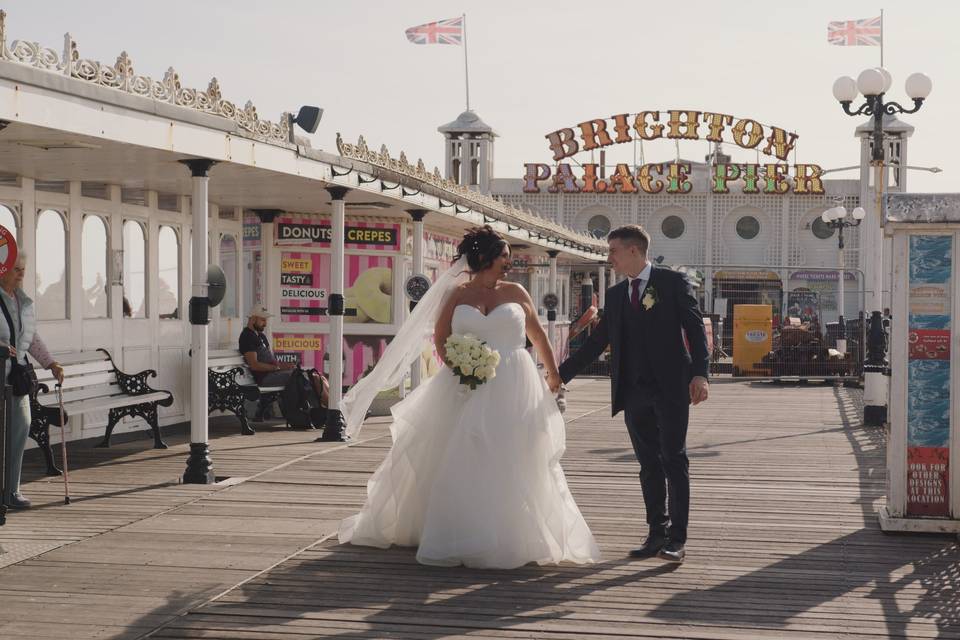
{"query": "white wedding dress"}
pixel 474 477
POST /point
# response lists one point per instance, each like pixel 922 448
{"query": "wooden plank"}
pixel 784 541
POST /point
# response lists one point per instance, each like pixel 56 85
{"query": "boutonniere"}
pixel 650 298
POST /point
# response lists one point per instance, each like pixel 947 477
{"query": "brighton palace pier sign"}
pixel 769 178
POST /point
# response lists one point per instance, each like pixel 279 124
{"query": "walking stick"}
pixel 63 446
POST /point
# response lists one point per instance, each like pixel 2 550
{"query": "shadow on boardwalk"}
pixel 828 589
pixel 866 560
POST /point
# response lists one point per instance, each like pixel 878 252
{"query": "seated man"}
pixel 267 371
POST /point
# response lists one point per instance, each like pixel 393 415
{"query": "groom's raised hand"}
pixel 699 389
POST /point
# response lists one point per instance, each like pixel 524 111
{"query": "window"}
pixel 474 171
pixel 820 228
pixel 52 269
pixel 456 170
pixel 134 270
pixel 228 262
pixel 672 227
pixel 748 227
pixel 8 219
pixel 598 226
pixel 168 302
pixel 94 257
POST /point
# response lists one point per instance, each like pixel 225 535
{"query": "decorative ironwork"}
pixel 501 211
pixel 226 394
pixel 42 418
pixel 136 385
pixel 122 77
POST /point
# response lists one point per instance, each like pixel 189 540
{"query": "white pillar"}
pixel 876 378
pixel 334 430
pixel 417 215
pixel 602 285
pixel 199 466
pixel 842 340
pixel 552 287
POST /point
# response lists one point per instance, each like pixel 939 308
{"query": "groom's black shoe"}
pixel 651 547
pixel 673 551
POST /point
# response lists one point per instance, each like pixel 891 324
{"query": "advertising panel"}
pixel 928 378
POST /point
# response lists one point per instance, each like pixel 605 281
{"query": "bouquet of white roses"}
pixel 471 359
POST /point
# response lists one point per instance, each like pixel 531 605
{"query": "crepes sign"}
pixel 775 177
pixel 311 231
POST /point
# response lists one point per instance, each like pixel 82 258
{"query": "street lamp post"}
pixel 873 84
pixel 836 218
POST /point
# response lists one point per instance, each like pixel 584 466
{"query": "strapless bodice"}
pixel 502 328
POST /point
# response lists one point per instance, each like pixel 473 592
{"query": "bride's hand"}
pixel 554 381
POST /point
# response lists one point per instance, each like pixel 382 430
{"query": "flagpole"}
pixel 466 68
pixel 881 37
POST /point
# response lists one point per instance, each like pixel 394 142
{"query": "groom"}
pixel 655 378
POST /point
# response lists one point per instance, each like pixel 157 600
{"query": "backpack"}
pixel 299 403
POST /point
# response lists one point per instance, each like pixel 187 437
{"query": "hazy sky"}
pixel 535 66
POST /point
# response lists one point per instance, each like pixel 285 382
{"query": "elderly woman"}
pixel 25 340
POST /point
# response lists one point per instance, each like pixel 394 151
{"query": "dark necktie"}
pixel 635 293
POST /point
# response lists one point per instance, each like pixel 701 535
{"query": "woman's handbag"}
pixel 21 377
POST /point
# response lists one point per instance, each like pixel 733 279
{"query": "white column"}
pixel 842 339
pixel 199 466
pixel 417 215
pixel 28 234
pixel 602 286
pixel 334 430
pixel 875 378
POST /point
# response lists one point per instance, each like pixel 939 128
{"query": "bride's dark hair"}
pixel 481 246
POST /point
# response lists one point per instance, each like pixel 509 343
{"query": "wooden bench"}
pixel 92 382
pixel 230 383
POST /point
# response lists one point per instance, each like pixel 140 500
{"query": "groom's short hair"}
pixel 632 234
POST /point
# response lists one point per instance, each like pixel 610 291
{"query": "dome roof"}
pixel 467 122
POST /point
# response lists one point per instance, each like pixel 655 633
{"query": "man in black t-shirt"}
pixel 267 370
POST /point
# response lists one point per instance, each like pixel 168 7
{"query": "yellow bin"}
pixel 752 338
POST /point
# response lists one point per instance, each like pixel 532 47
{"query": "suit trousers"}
pixel 658 431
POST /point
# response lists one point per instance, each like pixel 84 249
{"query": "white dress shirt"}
pixel 643 277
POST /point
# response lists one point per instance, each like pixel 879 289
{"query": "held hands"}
pixel 13 351
pixel 699 390
pixel 553 381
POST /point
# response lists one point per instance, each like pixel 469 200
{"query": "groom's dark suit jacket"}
pixel 655 344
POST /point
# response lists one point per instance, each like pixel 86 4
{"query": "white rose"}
pixel 493 359
pixel 484 373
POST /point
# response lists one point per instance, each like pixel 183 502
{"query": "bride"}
pixel 473 476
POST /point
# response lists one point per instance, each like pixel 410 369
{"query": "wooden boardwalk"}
pixel 783 543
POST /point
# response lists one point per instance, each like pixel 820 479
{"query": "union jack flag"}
pixel 867 32
pixel 441 32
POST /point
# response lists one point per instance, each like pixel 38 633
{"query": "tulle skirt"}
pixel 474 476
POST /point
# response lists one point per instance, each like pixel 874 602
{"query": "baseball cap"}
pixel 259 311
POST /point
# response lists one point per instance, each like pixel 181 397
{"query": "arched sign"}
pixel 773 177
pixel 8 250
